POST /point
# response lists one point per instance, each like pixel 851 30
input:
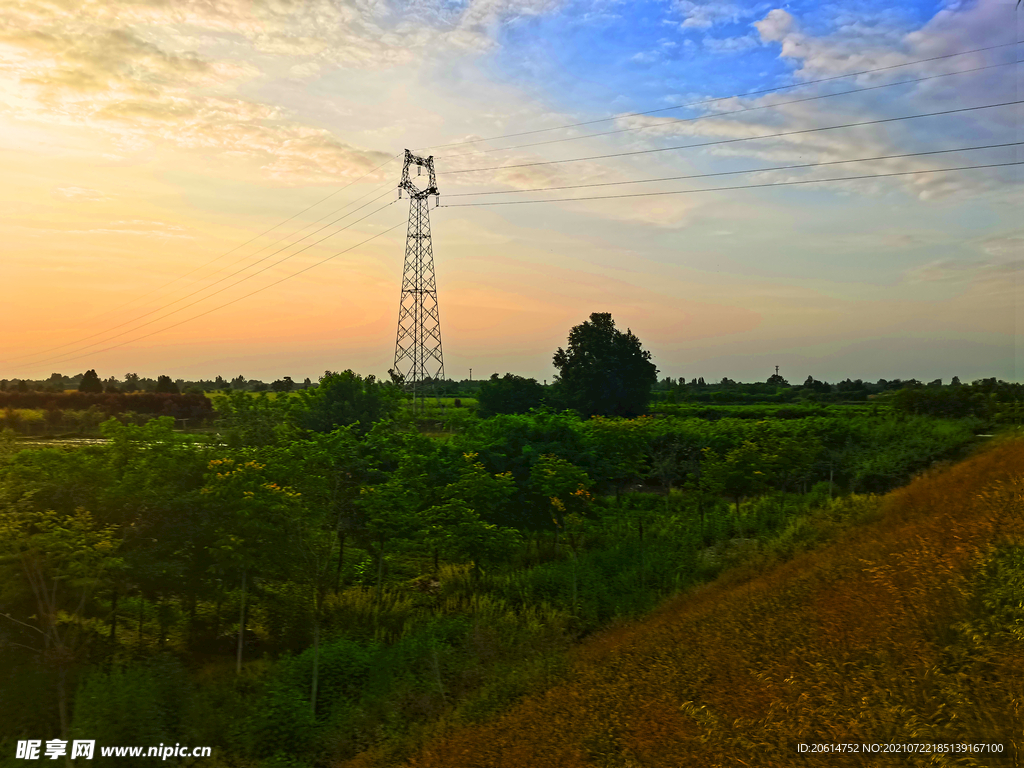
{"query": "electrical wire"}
pixel 731 141
pixel 253 239
pixel 238 261
pixel 727 189
pixel 236 300
pixel 60 358
pixel 722 98
pixel 733 173
pixel 725 114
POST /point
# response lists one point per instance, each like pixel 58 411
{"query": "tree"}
pixel 568 489
pixel 257 420
pixel 166 384
pixel 347 398
pixel 131 382
pixel 90 382
pixel 249 512
pixel 509 394
pixel 60 561
pixel 283 385
pixel 738 474
pixel 459 526
pixel 604 371
pixel 390 510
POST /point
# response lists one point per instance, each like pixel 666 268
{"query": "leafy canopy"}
pixel 604 371
pixel 509 394
pixel 90 382
pixel 347 398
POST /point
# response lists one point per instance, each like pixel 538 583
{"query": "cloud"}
pixel 81 193
pixel 1003 246
pixel 854 44
pixel 150 73
pixel 704 15
pixel 132 227
pixel 1000 268
pixel 728 45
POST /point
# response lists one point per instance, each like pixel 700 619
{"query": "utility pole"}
pixel 418 357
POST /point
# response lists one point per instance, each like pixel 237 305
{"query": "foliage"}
pixel 509 394
pixel 434 564
pixel 346 398
pixel 90 382
pixel 113 404
pixel 258 420
pixel 604 371
pixel 849 644
pixel 166 385
pixel 139 704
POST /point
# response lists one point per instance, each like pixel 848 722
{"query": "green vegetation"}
pixel 903 628
pixel 603 370
pixel 337 575
pixel 267 570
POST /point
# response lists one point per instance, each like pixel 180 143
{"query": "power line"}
pixel 58 358
pixel 722 98
pixel 253 239
pixel 238 261
pixel 233 301
pixel 732 173
pixel 726 189
pixel 279 240
pixel 732 141
pixel 725 114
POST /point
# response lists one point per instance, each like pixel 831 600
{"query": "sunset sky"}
pixel 150 141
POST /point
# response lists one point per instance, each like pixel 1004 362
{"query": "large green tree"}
pixel 166 384
pixel 603 370
pixel 90 382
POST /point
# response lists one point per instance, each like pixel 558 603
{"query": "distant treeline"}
pixel 187 406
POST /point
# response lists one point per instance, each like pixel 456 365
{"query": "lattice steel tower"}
pixel 418 357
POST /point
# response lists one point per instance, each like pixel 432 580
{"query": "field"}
pixel 907 629
pixel 308 597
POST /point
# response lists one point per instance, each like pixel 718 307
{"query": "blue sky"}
pixel 640 55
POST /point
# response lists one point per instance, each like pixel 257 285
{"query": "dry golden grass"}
pixel 860 641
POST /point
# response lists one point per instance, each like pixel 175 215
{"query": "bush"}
pixel 509 394
pixel 135 705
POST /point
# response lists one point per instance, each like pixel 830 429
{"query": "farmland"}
pixel 337 576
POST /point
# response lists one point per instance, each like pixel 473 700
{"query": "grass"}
pixel 906 629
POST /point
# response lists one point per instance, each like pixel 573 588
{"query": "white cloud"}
pixel 728 45
pixel 704 15
pixel 132 227
pixel 1005 246
pixel 153 73
pixel 81 193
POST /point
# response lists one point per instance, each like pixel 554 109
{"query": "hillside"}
pixel 908 628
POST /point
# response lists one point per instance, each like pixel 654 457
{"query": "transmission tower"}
pixel 418 358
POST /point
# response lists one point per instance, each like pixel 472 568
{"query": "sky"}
pixel 210 188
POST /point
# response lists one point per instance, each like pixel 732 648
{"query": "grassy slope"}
pixel 881 636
